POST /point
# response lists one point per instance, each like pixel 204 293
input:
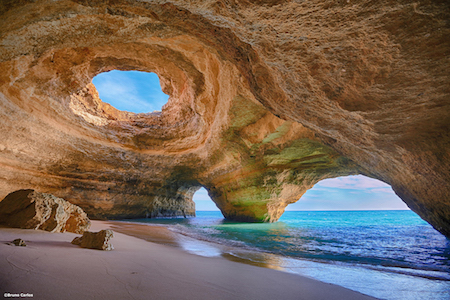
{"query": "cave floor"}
pixel 50 267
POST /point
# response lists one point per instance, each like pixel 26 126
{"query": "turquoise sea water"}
pixel 385 254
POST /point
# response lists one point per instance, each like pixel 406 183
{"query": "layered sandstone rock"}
pixel 95 240
pixel 266 99
pixel 33 210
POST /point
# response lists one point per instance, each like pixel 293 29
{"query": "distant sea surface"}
pixel 386 254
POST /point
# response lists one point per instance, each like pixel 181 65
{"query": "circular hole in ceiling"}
pixel 132 91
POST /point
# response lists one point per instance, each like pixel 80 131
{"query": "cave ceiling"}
pixel 266 99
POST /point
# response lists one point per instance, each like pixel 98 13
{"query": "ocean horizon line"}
pixel 343 210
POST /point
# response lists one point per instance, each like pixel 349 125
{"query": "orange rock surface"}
pixel 29 209
pixel 266 99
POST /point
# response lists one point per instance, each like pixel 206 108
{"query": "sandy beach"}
pixel 50 267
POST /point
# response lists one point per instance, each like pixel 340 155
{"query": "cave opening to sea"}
pixel 203 202
pixel 346 193
pixel 132 91
pixel 352 225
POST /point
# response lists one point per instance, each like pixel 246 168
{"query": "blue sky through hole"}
pixel 343 193
pixel 133 91
pixel 137 92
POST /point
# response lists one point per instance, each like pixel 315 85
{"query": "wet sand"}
pixel 50 267
pixel 155 234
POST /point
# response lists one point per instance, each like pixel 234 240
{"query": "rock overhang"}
pixel 230 70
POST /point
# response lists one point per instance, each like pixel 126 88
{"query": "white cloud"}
pixel 349 193
pixel 357 182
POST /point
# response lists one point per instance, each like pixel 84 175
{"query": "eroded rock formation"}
pixel 29 209
pixel 266 99
pixel 95 240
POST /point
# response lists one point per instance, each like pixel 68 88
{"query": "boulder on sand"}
pixel 95 240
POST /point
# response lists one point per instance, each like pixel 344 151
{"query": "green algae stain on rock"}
pixel 244 112
pixel 303 153
pixel 279 132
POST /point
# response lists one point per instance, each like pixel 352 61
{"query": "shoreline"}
pixel 384 282
pixel 52 268
pixel 161 234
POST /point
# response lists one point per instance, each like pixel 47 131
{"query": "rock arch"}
pixel 266 100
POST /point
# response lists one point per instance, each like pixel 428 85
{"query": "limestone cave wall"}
pixel 266 99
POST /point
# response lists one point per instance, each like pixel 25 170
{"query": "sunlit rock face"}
pixel 266 99
pixel 29 209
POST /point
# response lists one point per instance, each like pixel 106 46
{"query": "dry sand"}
pixel 50 267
